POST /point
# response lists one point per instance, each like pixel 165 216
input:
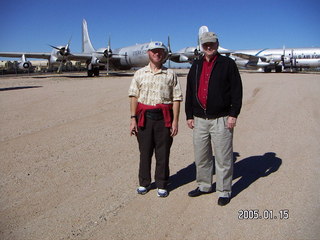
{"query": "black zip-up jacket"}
pixel 224 91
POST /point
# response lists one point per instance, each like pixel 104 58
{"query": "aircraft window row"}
pixel 139 52
pixel 308 56
pixel 305 56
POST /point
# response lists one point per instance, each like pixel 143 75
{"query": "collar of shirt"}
pixel 149 69
pixel 204 80
pixel 212 60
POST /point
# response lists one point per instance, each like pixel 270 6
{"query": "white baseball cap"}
pixel 155 45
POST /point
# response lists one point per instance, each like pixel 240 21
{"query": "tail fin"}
pixel 86 43
pixel 202 29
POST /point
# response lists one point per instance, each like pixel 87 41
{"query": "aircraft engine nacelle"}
pixel 53 59
pixel 64 51
pixel 196 52
pixel 183 58
pixel 24 65
pixel 95 61
pixel 274 58
pixel 107 53
pixel 286 60
pixel 260 63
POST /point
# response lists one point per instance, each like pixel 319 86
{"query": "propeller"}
pixel 196 52
pixel 198 49
pixel 64 51
pixel 108 54
pixel 292 62
pixel 282 58
pixel 169 53
pixel 60 67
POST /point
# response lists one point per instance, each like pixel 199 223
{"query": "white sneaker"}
pixel 143 190
pixel 162 193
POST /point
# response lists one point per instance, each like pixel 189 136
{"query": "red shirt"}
pixel 204 80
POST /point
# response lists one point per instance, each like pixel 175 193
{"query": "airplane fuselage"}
pixel 278 58
pixel 133 56
pixel 123 58
pixel 264 59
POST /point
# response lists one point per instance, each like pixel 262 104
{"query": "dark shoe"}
pixel 196 193
pixel 222 201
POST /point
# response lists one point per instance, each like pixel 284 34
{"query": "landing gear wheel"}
pixel 96 72
pixel 90 73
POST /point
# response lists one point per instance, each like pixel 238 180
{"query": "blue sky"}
pixel 244 24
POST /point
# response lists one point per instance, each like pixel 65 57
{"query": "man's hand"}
pixel 190 123
pixel 174 129
pixel 231 122
pixel 133 127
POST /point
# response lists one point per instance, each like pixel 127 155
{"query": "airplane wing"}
pixel 251 58
pixel 178 58
pixel 46 55
pixel 222 50
pixel 187 54
pixel 79 56
pixel 42 55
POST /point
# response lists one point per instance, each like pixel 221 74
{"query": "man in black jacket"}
pixel 213 103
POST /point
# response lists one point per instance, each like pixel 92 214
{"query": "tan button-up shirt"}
pixel 162 87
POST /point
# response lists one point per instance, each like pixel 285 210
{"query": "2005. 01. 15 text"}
pixel 266 214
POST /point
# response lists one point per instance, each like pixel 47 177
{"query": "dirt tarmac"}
pixel 69 166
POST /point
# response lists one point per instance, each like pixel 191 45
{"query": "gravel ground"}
pixel 69 166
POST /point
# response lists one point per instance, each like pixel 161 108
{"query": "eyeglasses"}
pixel 157 50
pixel 209 44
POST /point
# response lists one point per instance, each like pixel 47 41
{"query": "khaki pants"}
pixel 208 132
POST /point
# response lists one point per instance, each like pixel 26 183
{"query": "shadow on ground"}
pixel 252 168
pixel 18 88
pixel 247 170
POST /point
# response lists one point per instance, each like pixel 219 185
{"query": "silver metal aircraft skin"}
pixel 277 59
pixel 121 58
pixel 259 59
pixel 188 54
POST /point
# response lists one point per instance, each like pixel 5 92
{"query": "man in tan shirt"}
pixel 155 95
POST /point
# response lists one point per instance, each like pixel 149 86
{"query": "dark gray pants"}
pixel 154 137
